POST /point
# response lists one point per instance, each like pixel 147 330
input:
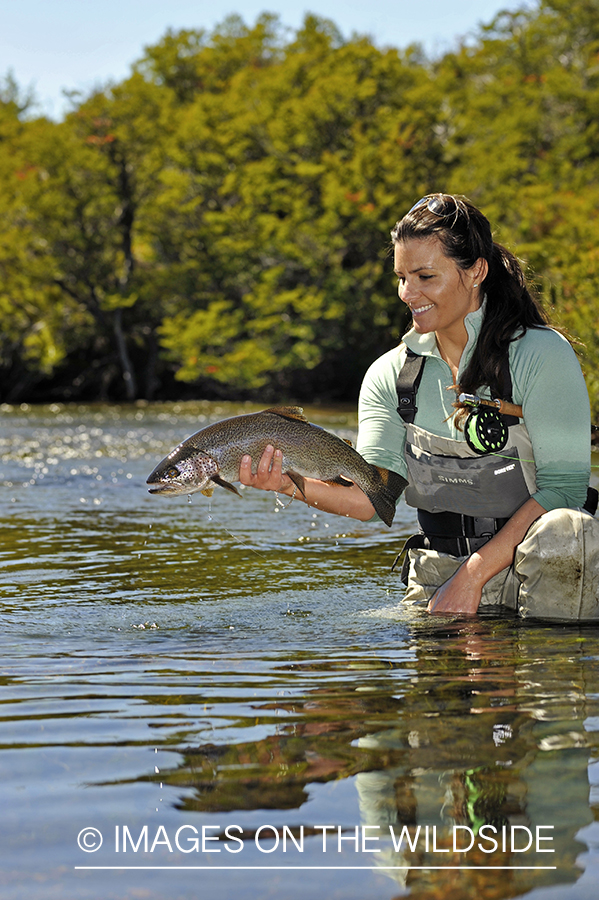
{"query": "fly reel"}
pixel 485 430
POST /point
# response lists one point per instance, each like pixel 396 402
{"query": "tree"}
pixel 222 216
pixel 523 104
pixel 88 180
pixel 280 180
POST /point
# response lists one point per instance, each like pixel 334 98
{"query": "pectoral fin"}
pixel 230 487
pixel 298 481
pixel 208 491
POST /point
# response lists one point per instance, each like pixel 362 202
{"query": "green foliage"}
pixel 221 218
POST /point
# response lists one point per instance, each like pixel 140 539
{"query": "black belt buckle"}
pixel 483 527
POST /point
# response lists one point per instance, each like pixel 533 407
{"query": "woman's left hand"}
pixel 459 594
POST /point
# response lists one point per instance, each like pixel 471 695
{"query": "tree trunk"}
pixel 126 221
pixel 151 380
pixel 123 354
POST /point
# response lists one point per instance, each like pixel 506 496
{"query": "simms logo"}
pixel 448 479
pixel 505 469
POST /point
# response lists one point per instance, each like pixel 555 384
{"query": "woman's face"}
pixel 438 293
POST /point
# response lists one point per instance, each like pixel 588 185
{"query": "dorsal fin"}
pixel 288 412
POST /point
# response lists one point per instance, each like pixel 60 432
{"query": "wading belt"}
pixel 448 532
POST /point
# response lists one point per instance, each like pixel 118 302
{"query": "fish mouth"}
pixel 168 489
pixel 171 487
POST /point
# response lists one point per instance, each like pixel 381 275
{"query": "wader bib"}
pixel 463 498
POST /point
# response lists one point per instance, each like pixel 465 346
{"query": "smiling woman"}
pixel 479 331
pixel 502 523
pixel 438 293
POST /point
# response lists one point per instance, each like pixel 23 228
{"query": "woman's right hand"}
pixel 269 474
pixel 459 594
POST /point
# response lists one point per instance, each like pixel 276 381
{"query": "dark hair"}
pixel 510 308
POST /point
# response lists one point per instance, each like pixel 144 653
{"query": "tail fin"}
pixel 386 492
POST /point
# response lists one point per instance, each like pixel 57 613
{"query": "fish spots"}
pixel 193 472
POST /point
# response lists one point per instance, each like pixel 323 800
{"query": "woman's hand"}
pixel 463 591
pixel 459 594
pixel 342 500
pixel 269 474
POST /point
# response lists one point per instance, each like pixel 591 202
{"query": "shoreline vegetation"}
pixel 217 224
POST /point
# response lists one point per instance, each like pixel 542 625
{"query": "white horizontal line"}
pixel 318 868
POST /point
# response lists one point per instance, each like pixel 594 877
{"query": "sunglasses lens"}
pixel 417 205
pixel 437 205
pixel 440 207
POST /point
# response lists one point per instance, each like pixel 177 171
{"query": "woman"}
pixel 476 329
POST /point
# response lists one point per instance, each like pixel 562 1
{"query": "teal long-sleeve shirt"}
pixel 546 380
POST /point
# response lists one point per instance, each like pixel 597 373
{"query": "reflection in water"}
pixel 483 734
pixel 480 741
pixel 221 663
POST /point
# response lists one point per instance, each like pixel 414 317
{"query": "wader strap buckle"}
pixel 408 382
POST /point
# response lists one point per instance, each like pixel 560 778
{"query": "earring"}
pixel 474 285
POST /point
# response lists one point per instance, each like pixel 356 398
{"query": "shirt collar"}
pixel 426 344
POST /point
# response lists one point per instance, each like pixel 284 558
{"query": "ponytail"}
pixel 510 309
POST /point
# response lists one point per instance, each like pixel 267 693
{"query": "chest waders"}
pixel 463 497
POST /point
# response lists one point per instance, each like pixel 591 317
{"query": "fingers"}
pixel 245 470
pixel 265 464
pixel 450 599
pixel 269 471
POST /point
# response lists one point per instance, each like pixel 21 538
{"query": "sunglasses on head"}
pixel 439 205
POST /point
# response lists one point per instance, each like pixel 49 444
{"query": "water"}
pixel 234 697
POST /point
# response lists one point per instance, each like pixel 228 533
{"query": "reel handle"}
pixel 504 407
pixel 509 409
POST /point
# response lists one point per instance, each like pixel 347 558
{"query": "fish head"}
pixel 184 471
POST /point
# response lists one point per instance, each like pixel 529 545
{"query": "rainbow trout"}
pixel 213 455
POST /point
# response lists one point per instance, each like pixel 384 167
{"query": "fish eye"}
pixel 172 472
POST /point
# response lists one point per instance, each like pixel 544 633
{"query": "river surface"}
pixel 222 698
